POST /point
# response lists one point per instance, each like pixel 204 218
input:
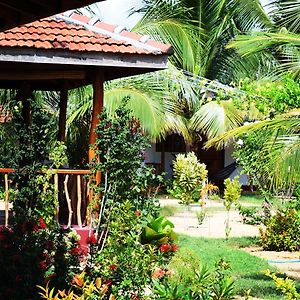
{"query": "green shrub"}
pixel 286 286
pixel 232 195
pixel 186 278
pixel 189 175
pixel 282 231
pixel 232 192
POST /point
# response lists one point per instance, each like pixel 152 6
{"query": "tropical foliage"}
pixel 189 174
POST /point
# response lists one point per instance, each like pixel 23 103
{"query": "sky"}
pixel 116 12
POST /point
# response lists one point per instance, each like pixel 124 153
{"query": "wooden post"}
pixel 79 201
pixel 97 109
pixel 56 195
pixel 69 201
pixel 6 199
pixel 63 113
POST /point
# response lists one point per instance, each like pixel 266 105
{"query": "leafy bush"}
pixel 232 192
pixel 128 258
pixel 201 214
pixel 189 175
pixel 255 215
pixel 186 278
pixel 286 286
pixel 282 231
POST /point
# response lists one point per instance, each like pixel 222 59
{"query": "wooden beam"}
pixel 97 109
pixel 41 75
pixel 21 7
pixel 63 113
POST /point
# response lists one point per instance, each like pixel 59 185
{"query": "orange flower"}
pixel 77 280
pixel 158 273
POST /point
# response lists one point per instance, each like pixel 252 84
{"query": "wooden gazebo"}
pixel 69 50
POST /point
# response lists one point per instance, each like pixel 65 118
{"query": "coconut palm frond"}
pixel 214 119
pixel 289 122
pixel 260 41
pixel 283 166
pixel 143 107
pixel 250 14
pixel 286 13
pixel 170 23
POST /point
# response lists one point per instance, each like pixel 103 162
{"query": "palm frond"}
pixel 260 41
pixel 290 122
pixel 286 13
pixel 170 23
pixel 214 119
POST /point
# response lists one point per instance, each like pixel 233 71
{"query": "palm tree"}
pixel 281 40
pixel 200 31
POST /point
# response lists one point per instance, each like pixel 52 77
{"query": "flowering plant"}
pixel 32 253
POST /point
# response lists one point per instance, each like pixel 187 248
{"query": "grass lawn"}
pixel 246 269
pixel 257 200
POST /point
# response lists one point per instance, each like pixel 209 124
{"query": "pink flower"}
pixel 137 213
pixel 165 248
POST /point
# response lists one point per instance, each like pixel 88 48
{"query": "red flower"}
pixel 43 265
pixel 75 251
pixel 53 275
pixel 77 280
pixel 174 247
pixel 42 223
pixel 135 297
pixel 108 282
pixel 92 240
pixel 165 248
pixel 137 213
pixel 113 267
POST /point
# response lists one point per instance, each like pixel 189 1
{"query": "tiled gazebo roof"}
pixel 74 32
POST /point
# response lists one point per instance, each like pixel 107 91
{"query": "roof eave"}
pixel 62 57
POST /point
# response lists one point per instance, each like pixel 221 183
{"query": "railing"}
pixel 63 180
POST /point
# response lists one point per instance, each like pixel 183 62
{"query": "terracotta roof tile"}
pixel 106 26
pixel 75 33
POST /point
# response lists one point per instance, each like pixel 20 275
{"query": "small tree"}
pixel 189 174
pixel 232 195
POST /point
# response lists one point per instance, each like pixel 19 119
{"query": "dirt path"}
pixel 214 223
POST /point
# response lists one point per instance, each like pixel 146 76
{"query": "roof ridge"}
pixel 118 34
